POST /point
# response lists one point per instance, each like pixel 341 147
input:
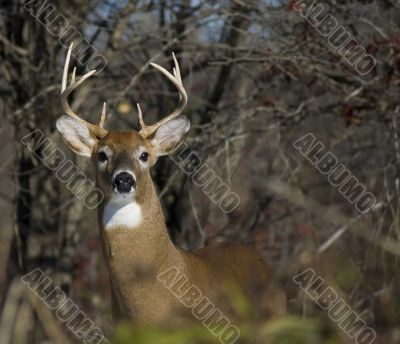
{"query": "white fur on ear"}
pixel 170 134
pixel 76 135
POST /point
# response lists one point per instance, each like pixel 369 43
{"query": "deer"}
pixel 137 248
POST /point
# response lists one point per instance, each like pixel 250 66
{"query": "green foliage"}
pixel 142 335
pixel 285 330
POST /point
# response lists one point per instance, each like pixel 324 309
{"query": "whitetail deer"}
pixel 135 240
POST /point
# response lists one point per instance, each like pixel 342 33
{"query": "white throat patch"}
pixel 122 213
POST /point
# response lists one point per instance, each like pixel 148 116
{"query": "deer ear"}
pixel 168 135
pixel 76 136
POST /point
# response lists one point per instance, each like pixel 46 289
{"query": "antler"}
pixel 96 129
pixel 176 79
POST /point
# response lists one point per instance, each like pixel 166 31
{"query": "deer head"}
pixel 122 159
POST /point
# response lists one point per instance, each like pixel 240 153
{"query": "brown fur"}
pixel 135 256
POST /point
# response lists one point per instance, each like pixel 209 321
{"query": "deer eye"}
pixel 102 157
pixel 144 156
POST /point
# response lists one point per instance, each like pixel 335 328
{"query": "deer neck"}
pixel 135 239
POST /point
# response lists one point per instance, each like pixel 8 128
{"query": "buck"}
pixel 135 240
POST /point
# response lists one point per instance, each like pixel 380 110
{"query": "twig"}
pixel 197 220
pixel 48 322
pixel 295 196
pixel 12 46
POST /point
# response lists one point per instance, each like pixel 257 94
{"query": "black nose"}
pixel 124 182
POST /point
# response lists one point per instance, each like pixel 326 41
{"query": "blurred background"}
pixel 259 77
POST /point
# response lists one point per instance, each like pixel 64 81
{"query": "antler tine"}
pixel 73 75
pixel 176 79
pixel 65 72
pixel 140 116
pixel 103 116
pixel 98 130
pixel 177 70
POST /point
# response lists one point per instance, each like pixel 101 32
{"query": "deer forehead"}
pixel 124 142
pixel 118 140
